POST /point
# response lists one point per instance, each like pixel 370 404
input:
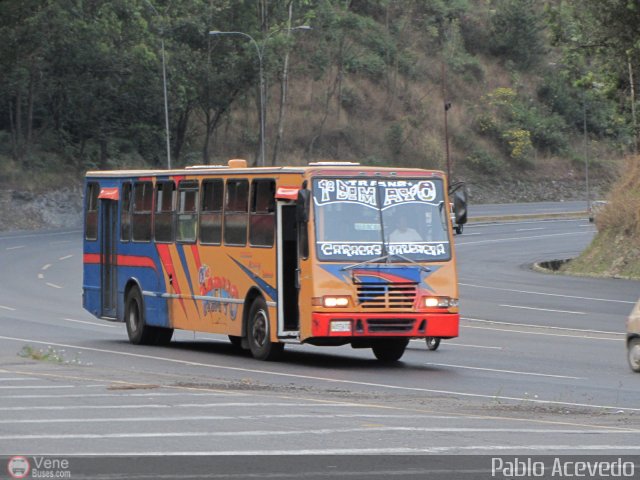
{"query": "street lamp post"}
pixel 260 52
pixel 164 88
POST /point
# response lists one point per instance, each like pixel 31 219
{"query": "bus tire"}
pixel 138 331
pixel 390 350
pixel 258 333
pixel 432 343
pixel 633 354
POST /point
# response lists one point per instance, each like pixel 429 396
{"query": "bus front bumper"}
pixel 417 325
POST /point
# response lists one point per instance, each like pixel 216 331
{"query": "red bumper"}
pixel 387 325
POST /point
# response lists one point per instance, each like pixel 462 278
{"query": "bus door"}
pixel 108 250
pixel 288 270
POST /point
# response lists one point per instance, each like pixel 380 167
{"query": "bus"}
pixel 328 254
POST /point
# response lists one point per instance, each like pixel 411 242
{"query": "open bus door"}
pixel 288 250
pixel 108 251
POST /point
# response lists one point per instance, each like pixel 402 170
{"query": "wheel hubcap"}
pixel 634 355
pixel 260 328
pixel 133 317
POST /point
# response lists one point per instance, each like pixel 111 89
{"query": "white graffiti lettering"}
pixel 350 250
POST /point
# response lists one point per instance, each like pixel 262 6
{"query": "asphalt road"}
pixel 539 368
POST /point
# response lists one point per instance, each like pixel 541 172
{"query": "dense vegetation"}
pixel 530 86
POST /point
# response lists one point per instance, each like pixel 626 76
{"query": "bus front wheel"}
pixel 390 350
pixel 260 344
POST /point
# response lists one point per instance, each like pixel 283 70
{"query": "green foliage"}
pixel 82 80
pixel 484 162
pixel 516 32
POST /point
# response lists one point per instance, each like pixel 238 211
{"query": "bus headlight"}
pixel 335 301
pixel 439 302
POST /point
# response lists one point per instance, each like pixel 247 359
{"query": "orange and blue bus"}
pixel 333 253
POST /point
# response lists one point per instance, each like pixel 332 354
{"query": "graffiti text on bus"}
pixel 366 191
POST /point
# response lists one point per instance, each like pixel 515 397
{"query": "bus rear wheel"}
pixel 137 329
pixel 259 334
pixel 390 350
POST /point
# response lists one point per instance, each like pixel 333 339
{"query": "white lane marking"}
pixel 3 387
pixel 4 307
pixel 545 327
pixel 119 395
pixel 548 294
pixel 543 309
pixel 90 323
pixel 17 379
pixel 185 405
pixel 421 340
pixel 53 285
pixel 326 379
pixel 65 257
pixel 320 431
pixel 580 337
pixel 473 346
pixel 549 449
pixel 203 418
pixel 15 248
pixel 474 233
pixel 515 372
pixel 529 229
pixel 500 240
pixel 46 267
pixel 41 276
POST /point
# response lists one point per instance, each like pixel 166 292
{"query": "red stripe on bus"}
pixel 122 260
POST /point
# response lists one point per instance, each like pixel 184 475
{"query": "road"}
pixel 539 368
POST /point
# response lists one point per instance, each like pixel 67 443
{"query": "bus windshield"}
pixel 365 219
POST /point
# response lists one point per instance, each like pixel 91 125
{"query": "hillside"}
pixel 615 251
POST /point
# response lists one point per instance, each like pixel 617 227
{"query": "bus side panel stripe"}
pixel 165 258
pixel 187 272
pixel 268 289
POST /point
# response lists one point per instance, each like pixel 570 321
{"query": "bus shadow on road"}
pixel 304 356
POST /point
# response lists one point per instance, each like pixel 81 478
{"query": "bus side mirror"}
pixel 302 206
pixel 459 193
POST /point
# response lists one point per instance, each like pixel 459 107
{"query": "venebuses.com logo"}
pixel 19 466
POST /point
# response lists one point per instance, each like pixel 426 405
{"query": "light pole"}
pixel 260 52
pixel 164 88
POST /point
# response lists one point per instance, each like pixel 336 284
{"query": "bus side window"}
pixel 211 212
pixel 91 211
pixel 125 213
pixel 262 215
pixel 141 218
pixel 164 211
pixel 235 212
pixel 187 211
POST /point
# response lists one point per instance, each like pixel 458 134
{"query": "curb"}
pixel 527 216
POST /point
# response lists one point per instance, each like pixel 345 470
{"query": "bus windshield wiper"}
pixel 366 262
pixel 386 257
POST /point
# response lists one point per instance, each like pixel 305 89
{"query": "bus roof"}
pixel 316 168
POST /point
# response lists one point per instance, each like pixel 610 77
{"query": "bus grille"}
pixel 386 296
pixel 390 324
